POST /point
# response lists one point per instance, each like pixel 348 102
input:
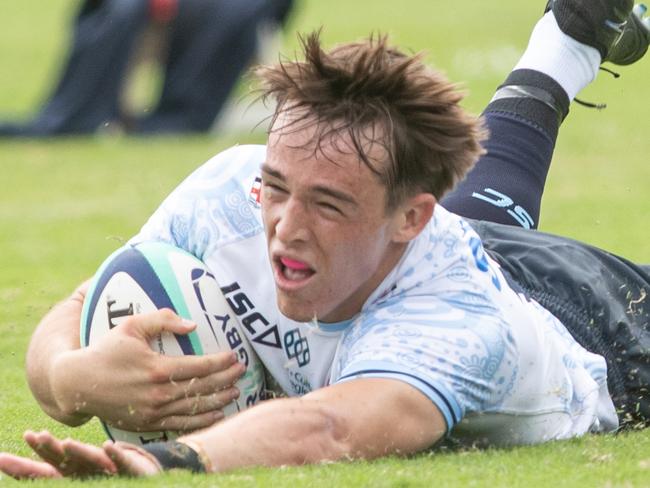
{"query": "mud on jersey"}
pixel 500 368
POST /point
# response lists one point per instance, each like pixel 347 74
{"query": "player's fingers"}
pixel 197 404
pixel 178 417
pixel 204 386
pixel 149 325
pixel 188 367
pixel 86 460
pixel 23 468
pixel 189 423
pixel 131 460
pixel 46 446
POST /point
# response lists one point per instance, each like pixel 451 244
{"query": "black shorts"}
pixel 602 299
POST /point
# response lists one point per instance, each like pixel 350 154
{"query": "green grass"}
pixel 65 204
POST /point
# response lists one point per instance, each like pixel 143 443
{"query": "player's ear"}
pixel 412 216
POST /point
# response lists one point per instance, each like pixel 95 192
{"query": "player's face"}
pixel 330 238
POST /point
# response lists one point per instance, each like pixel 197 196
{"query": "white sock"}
pixel 572 64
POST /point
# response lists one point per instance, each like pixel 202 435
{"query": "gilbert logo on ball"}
pixel 153 275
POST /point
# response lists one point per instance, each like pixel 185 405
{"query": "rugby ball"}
pixel 154 275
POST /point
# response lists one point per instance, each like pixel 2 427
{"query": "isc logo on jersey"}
pixel 151 276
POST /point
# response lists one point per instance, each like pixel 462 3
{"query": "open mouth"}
pixel 292 272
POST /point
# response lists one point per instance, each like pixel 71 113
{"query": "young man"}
pixel 401 317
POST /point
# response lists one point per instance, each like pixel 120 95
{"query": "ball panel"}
pixel 142 438
pixel 161 258
pixel 133 262
pixel 89 303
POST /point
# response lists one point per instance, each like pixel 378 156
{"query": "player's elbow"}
pixel 48 392
pixel 328 438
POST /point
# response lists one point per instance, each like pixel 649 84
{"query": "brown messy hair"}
pixel 377 94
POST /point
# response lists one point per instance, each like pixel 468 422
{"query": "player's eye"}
pixel 328 207
pixel 272 187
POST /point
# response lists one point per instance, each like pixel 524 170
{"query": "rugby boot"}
pixel 633 43
pixel 616 29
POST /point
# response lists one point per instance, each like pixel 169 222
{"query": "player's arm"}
pixel 56 334
pixel 361 418
pixel 120 379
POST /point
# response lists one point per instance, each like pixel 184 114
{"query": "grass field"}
pixel 65 204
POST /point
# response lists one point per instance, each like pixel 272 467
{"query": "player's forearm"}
pixel 54 342
pixel 360 419
pixel 280 432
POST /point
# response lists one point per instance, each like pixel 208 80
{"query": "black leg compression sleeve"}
pixel 507 183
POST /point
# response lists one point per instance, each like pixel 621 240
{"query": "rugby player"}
pixel 387 315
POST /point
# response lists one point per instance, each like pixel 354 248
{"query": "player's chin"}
pixel 296 308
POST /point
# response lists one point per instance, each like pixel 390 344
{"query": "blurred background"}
pixel 600 162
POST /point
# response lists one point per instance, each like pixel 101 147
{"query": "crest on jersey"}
pixel 255 194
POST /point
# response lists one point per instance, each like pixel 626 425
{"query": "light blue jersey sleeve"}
pixel 463 360
pixel 211 207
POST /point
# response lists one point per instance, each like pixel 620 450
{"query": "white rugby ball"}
pixel 154 275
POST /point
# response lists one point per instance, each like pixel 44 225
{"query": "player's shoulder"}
pixel 447 247
pixel 239 162
pixel 241 154
pixel 236 169
pixel 446 264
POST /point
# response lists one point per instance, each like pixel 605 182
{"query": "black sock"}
pixel 507 183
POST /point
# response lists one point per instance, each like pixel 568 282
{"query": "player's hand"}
pixel 71 458
pixel 124 382
pixel 131 460
pixel 60 458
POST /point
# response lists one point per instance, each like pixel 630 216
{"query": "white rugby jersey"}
pixel 500 368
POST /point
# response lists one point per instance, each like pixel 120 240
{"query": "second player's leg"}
pixel 507 183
